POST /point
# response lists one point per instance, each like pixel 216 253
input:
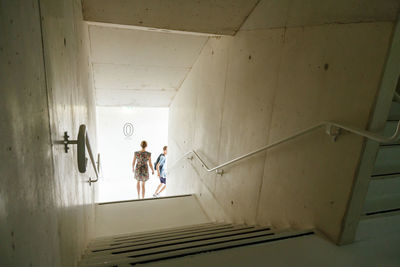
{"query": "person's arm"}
pixel 161 162
pixel 151 166
pixel 158 169
pixel 133 163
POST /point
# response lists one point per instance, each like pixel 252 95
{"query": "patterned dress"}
pixel 142 169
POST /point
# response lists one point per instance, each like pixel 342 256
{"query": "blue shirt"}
pixel 163 167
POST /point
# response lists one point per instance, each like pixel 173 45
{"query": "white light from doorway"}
pixel 117 144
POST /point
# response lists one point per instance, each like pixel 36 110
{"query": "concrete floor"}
pixel 377 244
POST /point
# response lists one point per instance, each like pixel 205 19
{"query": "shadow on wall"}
pixel 268 83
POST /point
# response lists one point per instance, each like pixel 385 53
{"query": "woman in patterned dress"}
pixel 142 171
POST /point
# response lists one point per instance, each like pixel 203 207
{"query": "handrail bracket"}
pixel 219 172
pixel 66 142
pixel 333 131
pixel 83 144
pixel 90 181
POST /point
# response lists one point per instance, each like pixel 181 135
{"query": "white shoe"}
pixel 155 195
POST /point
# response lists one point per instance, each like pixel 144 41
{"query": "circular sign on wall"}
pixel 128 129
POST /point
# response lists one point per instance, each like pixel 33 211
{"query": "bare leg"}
pixel 143 189
pixel 158 188
pixel 138 189
pixel 162 189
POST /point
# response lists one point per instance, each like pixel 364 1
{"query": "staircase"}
pixel 383 197
pixel 183 229
pixel 147 247
pixel 153 230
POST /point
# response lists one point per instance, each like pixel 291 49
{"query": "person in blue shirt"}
pixel 162 172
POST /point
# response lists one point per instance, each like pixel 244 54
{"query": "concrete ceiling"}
pixel 140 68
pixel 223 17
pixel 141 51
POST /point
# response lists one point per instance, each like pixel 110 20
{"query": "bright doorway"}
pixel 120 131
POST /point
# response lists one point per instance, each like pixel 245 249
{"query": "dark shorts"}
pixel 163 180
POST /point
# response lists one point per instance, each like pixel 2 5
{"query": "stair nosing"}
pixel 173 241
pixel 167 234
pixel 207 248
pixel 259 232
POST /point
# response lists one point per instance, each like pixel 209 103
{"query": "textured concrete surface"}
pixel 265 84
pixel 28 205
pixel 45 205
pixel 140 68
pixel 297 13
pixel 206 16
pixel 71 102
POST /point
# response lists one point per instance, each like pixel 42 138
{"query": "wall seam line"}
pixel 48 93
pixel 190 70
pixel 222 110
pixel 49 116
pixel 269 126
pixel 319 25
pixel 245 18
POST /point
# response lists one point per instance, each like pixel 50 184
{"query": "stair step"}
pixel 387 160
pixel 160 231
pixel 381 213
pixel 169 233
pixel 383 187
pixel 168 242
pixel 159 235
pixel 180 250
pixel 160 238
pixel 183 210
pixel 394 113
pixel 382 205
pixel 385 176
pixel 157 249
pixel 178 228
pixel 383 194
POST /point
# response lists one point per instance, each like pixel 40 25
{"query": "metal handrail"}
pixel 332 129
pixel 83 144
pixel 82 155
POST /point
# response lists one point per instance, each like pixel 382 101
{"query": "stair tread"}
pixel 159 235
pixel 394 113
pixel 163 243
pixel 387 160
pixel 164 238
pixel 165 230
pixel 381 213
pixel 206 247
pixel 156 250
pixel 376 205
pixel 153 238
pixel 385 176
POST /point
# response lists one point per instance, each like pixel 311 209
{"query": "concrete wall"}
pixel 46 88
pixel 268 82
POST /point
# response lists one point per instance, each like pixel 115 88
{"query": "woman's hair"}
pixel 143 144
pixel 165 148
